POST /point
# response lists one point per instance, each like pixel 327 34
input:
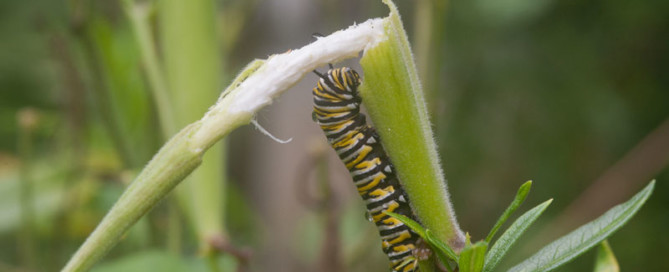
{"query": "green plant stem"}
pixel 139 21
pixel 393 96
pixel 171 164
pixel 246 95
pixel 139 14
pixel 193 67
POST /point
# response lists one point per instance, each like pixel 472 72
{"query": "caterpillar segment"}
pixel 337 111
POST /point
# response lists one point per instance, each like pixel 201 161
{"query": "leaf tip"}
pixel 525 189
pixel 547 203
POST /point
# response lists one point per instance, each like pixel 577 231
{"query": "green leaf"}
pixel 472 257
pixel 509 237
pixel 413 225
pixel 443 251
pixel 520 198
pixel 575 243
pixel 606 261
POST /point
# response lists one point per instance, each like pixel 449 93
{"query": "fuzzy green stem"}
pixel 254 88
pixel 393 97
pixel 171 164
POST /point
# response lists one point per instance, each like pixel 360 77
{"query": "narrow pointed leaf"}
pixel 509 237
pixel 413 225
pixel 519 199
pixel 472 257
pixel 606 261
pixel 444 252
pixel 587 236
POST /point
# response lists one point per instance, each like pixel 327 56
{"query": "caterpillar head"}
pixel 351 77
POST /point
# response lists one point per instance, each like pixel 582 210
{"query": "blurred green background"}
pixel 571 94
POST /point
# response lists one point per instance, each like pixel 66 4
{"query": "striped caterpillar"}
pixel 337 111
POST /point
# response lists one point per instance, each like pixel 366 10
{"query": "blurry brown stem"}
pixel 241 254
pixel 9 268
pixel 633 170
pixel 74 95
pixel 330 259
pixel 27 121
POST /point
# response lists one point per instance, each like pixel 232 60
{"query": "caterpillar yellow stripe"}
pixel 337 111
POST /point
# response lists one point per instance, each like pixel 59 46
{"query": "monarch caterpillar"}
pixel 337 111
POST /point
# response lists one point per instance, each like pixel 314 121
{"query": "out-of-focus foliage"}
pixel 558 96
pixel 553 91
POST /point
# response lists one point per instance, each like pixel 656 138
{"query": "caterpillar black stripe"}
pixel 337 111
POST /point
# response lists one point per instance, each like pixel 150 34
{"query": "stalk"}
pixel 254 88
pixel 139 20
pixel 27 121
pixel 171 164
pixel 139 14
pixel 193 67
pixel 393 96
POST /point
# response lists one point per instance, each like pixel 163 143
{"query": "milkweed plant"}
pixel 394 100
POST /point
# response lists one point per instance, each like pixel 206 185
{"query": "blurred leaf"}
pixel 577 242
pixel 472 257
pixel 145 261
pixel 606 260
pixel 504 243
pixel 48 194
pixel 511 12
pixel 126 97
pixel 361 249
